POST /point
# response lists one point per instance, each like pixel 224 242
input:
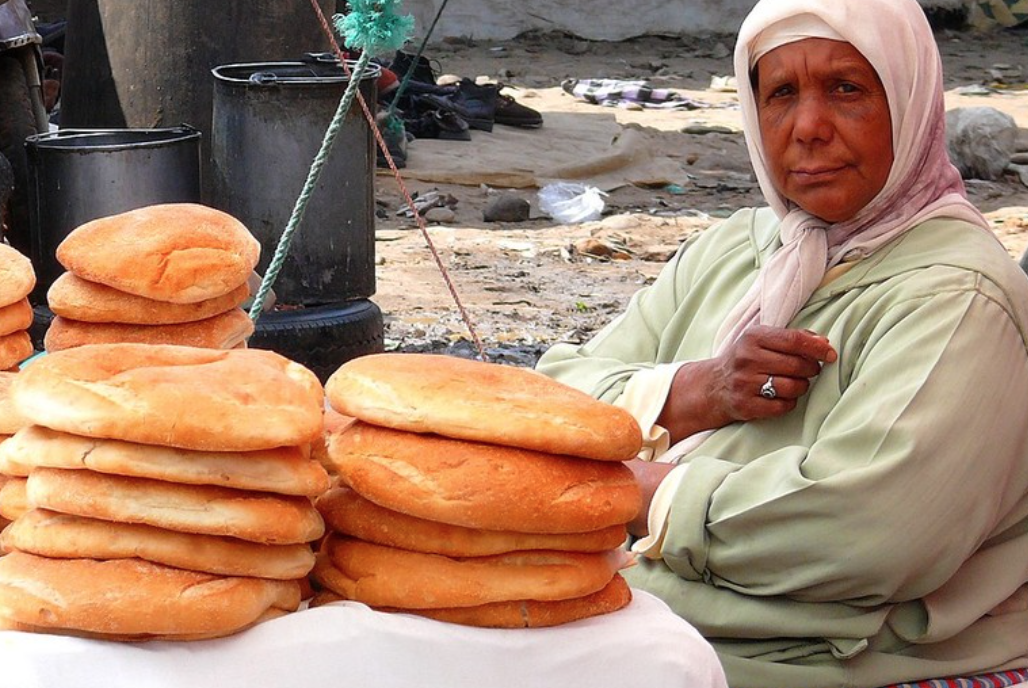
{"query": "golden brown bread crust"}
pixel 132 597
pixel 252 516
pixel 14 501
pixel 283 470
pixel 176 396
pixel 334 422
pixel 15 317
pixel 519 613
pixel 178 252
pixel 482 402
pixel 77 299
pixel 382 576
pixel 348 513
pixel 11 625
pixel 11 420
pixel 63 536
pixel 14 348
pixel 479 485
pixel 17 277
pixel 227 330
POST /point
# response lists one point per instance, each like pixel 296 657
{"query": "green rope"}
pixel 372 27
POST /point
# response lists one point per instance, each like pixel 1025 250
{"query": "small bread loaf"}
pixel 14 348
pixel 483 402
pixel 382 576
pixel 176 396
pixel 479 485
pixel 63 536
pixel 14 501
pixel 226 330
pixel 7 624
pixel 177 252
pixel 252 516
pixel 520 613
pixel 78 299
pixel 283 470
pixel 15 317
pixel 17 277
pixel 132 597
pixel 11 420
pixel 348 513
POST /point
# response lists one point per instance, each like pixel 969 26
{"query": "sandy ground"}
pixel 527 285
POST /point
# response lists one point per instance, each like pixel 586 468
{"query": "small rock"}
pixel 981 141
pixel 1019 158
pixel 440 215
pixel 507 208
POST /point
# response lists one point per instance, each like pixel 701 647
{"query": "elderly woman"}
pixel 834 389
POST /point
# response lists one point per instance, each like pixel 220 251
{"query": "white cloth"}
pixel 348 644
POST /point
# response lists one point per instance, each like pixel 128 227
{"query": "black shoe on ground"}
pixel 513 114
pixel 473 103
pixel 422 68
pixel 438 124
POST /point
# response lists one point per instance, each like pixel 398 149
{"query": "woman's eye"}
pixel 847 88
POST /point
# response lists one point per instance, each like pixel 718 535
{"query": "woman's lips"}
pixel 816 174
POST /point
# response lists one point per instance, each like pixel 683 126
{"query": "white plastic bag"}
pixel 569 202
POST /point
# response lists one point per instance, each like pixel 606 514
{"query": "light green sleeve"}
pixel 905 477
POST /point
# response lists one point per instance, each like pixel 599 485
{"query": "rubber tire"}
pixel 322 338
pixel 16 124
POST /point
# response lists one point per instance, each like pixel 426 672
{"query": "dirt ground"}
pixel 527 285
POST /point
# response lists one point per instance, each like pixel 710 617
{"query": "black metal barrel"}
pixel 78 175
pixel 268 124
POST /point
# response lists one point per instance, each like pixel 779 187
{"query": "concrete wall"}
pixel 608 20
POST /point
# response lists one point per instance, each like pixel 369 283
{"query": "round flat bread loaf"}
pixel 11 420
pixel 520 613
pixel 252 516
pixel 176 396
pixel 283 470
pixel 479 485
pixel 334 422
pixel 14 501
pixel 382 576
pixel 17 277
pixel 63 536
pixel 78 299
pixel 132 596
pixel 483 402
pixel 177 252
pixel 11 625
pixel 14 348
pixel 348 513
pixel 227 330
pixel 15 317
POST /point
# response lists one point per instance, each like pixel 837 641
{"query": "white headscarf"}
pixel 894 36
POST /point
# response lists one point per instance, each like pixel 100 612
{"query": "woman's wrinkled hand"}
pixel 714 392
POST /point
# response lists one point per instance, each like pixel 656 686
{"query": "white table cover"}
pixel 348 644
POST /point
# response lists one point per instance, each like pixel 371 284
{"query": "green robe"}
pixel 863 538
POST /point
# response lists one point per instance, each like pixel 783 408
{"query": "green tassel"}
pixel 372 26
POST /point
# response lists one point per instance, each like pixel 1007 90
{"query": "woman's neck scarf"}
pixel 894 36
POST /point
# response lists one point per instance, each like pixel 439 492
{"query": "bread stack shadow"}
pixel 17 279
pixel 163 274
pixel 474 493
pixel 168 492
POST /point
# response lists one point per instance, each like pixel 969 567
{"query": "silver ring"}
pixel 768 390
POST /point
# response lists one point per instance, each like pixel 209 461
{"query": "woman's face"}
pixel 825 123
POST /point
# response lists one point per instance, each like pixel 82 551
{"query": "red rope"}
pixel 327 29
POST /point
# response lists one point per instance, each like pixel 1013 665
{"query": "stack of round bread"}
pixel 164 274
pixel 475 493
pixel 168 491
pixel 17 278
pixel 12 488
